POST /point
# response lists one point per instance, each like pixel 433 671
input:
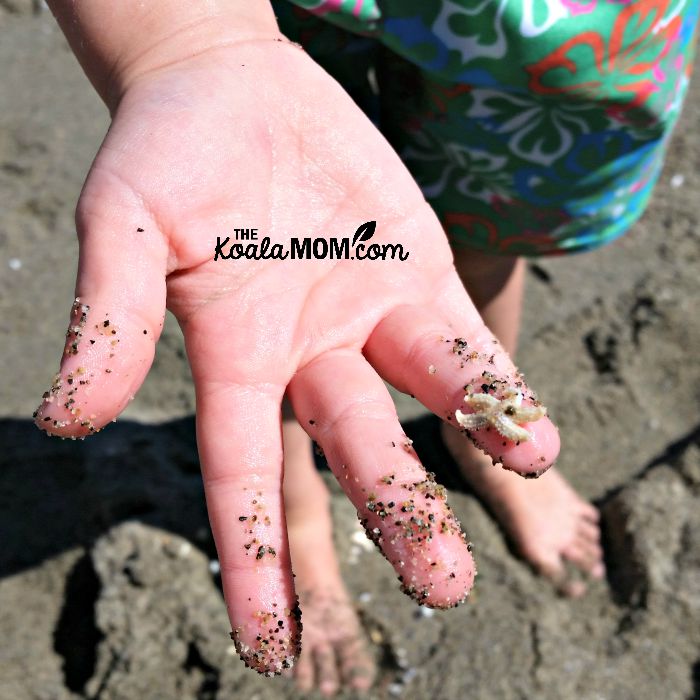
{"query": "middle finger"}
pixel 345 407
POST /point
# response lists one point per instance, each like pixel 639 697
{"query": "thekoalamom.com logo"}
pixel 308 248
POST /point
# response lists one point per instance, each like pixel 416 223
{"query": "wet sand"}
pixel 106 589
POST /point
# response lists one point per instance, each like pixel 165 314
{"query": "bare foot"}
pixel 334 652
pixel 549 523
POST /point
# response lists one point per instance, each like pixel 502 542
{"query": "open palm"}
pixel 255 135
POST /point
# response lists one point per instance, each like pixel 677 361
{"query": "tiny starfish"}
pixel 503 414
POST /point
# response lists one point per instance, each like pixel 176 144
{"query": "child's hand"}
pixel 255 135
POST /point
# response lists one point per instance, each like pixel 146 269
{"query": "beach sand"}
pixel 106 584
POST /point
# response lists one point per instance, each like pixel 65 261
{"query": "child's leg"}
pixel 545 518
pixel 334 653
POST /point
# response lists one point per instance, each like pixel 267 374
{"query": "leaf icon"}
pixel 364 232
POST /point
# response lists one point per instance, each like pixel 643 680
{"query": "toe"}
pixel 590 512
pixel 362 680
pixel 551 566
pixel 327 677
pixel 594 552
pixel 304 672
pixel 584 555
pixel 588 531
pixel 356 666
pixel 572 588
pixel 548 565
pixel 598 570
pixel 590 547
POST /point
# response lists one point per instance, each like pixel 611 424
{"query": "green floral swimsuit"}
pixel 534 127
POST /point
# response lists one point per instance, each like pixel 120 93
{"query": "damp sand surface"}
pixel 108 580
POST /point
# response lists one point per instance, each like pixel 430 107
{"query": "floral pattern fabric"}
pixel 533 127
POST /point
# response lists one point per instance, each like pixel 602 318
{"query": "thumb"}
pixel 117 315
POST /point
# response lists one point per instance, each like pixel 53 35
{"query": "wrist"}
pixel 116 43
